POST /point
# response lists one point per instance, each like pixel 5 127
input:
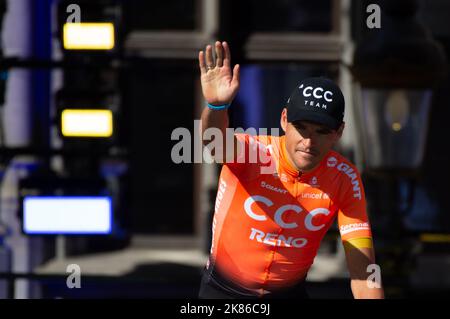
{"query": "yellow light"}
pixel 87 123
pixel 435 238
pixel 88 36
pixel 396 126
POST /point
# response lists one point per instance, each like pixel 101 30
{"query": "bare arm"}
pixel 358 259
pixel 219 87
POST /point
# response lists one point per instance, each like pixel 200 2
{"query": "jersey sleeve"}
pixel 353 221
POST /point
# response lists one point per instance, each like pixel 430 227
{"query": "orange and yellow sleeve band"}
pixel 363 242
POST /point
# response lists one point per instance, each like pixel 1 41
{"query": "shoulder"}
pixel 336 161
pixel 264 143
pixel 263 139
pixel 345 174
pixel 259 153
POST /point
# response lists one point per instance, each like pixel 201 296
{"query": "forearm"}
pixel 364 273
pixel 362 290
pixel 223 148
pixel 214 119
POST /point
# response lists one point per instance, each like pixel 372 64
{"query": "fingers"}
pixel 201 62
pixel 227 58
pixel 219 54
pixel 223 56
pixel 236 76
pixel 209 57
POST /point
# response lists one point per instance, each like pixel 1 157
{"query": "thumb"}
pixel 235 79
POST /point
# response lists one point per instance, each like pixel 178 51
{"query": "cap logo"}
pixel 317 93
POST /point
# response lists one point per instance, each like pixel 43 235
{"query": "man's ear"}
pixel 283 120
pixel 340 130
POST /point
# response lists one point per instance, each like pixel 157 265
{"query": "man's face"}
pixel 307 143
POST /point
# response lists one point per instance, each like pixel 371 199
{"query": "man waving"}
pixel 273 209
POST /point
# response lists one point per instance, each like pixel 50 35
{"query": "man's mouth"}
pixel 309 153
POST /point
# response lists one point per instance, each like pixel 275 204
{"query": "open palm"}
pixel 219 84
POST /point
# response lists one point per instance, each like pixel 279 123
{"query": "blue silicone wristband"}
pixel 219 107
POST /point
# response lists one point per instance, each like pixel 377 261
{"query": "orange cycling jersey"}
pixel 269 222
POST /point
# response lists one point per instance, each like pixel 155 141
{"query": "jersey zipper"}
pixel 296 182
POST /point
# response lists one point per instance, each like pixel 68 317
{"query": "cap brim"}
pixel 315 117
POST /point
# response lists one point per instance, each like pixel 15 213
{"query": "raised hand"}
pixel 219 84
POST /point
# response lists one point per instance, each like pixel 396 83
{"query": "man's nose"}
pixel 307 142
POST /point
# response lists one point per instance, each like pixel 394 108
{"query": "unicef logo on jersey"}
pixel 332 161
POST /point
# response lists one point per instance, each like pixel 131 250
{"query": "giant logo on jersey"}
pixel 331 161
pixel 349 171
pixel 273 188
